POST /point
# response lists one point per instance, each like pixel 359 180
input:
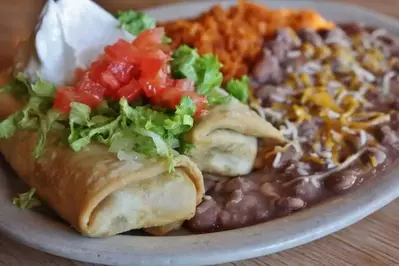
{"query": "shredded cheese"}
pixel 378 33
pixel 320 176
pixel 373 161
pixel 335 95
pixel 386 85
pixel 293 54
pixel 363 74
pixel 363 137
pixel 207 197
pixel 277 160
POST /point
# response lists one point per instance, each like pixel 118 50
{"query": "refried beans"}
pixel 335 96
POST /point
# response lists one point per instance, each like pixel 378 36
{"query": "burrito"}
pixel 99 194
pixel 225 139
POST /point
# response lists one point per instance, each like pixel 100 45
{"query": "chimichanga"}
pixel 225 139
pixel 101 195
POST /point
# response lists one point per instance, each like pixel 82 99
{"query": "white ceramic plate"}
pixel 46 233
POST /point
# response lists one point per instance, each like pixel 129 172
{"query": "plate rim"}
pixel 207 248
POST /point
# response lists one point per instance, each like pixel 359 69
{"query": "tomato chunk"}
pixel 123 51
pixel 109 81
pixel 184 84
pixel 65 96
pixel 150 68
pixel 96 90
pixel 123 71
pixel 199 100
pixel 131 70
pixel 96 69
pixel 149 39
pixel 130 91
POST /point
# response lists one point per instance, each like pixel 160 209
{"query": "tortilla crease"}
pixel 225 139
pixel 100 195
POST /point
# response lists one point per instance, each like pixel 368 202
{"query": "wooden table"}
pixel 373 241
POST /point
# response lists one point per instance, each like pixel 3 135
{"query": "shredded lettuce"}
pixel 37 113
pixel 183 63
pixel 183 120
pixel 9 125
pixel 26 200
pixel 239 88
pixel 186 147
pixel 46 124
pixel 203 70
pixel 121 127
pixel 43 88
pixel 135 22
pixel 140 129
pixel 208 72
pixel 166 39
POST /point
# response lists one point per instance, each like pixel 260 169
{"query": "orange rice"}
pixel 236 34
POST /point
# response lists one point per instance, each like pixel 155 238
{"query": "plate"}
pixel 48 234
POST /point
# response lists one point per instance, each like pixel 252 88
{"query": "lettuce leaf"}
pixel 183 63
pixel 239 88
pixel 183 120
pixel 43 88
pixel 46 124
pixel 36 114
pixel 203 70
pixel 135 22
pixel 208 72
pixel 9 125
pixel 140 129
pixel 26 200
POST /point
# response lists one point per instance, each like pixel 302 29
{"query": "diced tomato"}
pixel 92 88
pixel 109 81
pixel 96 69
pixel 123 71
pixel 105 57
pixel 123 51
pixel 129 70
pixel 130 91
pixel 170 83
pixel 199 100
pixel 184 84
pixel 150 88
pixel 63 99
pixel 172 97
pixel 153 78
pixel 150 67
pixel 149 39
pixel 65 96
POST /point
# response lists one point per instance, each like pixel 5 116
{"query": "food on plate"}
pixel 225 139
pixel 334 95
pixel 236 34
pixel 105 119
pixel 250 114
pixel 101 195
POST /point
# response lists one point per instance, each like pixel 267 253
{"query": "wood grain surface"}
pixel 373 241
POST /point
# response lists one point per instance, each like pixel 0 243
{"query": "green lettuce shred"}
pixel 139 129
pixel 26 200
pixel 203 70
pixel 37 113
pixel 136 22
pixel 239 88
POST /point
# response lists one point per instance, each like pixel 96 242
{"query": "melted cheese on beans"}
pixel 345 111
